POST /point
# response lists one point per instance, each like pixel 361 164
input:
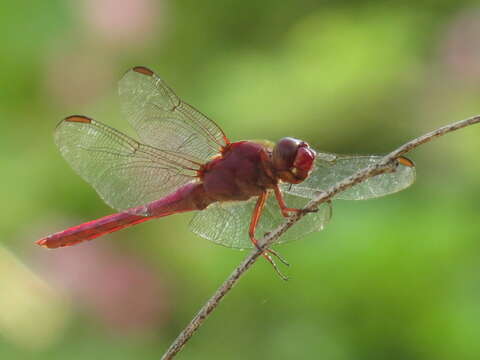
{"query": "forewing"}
pixel 330 169
pixel 163 120
pixel 227 223
pixel 124 172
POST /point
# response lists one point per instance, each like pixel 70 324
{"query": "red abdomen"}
pixel 187 198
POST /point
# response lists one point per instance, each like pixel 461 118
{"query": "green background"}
pixel 392 278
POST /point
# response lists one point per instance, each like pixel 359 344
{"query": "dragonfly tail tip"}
pixel 42 242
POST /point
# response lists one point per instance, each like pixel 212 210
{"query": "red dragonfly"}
pixel 242 188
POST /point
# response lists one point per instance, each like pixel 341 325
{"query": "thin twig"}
pixel 383 166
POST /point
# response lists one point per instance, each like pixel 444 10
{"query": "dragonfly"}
pixel 185 162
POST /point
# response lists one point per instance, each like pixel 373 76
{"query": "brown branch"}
pixel 383 166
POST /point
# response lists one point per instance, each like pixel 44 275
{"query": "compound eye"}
pixel 284 153
pixel 304 158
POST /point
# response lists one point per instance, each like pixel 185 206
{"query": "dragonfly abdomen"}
pixel 187 198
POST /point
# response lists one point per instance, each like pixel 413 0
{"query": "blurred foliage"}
pixel 393 278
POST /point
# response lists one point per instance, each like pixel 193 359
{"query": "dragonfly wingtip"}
pixel 78 118
pixel 143 70
pixel 405 161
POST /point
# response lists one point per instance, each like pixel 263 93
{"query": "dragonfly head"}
pixel 292 160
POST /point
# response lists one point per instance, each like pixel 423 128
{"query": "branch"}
pixel 383 166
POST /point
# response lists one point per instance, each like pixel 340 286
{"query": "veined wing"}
pixel 330 169
pixel 124 172
pixel 163 120
pixel 227 223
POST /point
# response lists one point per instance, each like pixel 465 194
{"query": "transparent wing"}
pixel 124 172
pixel 227 223
pixel 330 169
pixel 163 120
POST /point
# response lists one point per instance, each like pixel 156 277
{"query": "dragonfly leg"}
pixel 275 267
pixel 286 211
pixel 273 252
pixel 279 257
pixel 257 212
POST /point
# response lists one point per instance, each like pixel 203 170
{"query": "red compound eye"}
pixel 304 158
